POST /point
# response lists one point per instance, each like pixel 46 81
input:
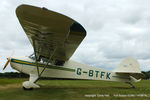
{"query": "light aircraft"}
pixel 54 38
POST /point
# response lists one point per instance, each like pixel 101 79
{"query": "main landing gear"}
pixel 29 85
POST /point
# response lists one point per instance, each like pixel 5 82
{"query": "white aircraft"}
pixel 54 38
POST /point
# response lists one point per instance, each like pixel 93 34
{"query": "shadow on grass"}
pixel 123 88
pixel 84 87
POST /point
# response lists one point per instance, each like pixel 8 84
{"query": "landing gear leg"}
pixel 29 85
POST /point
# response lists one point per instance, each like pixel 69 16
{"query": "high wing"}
pixel 53 36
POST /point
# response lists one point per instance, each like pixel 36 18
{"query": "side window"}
pixel 32 56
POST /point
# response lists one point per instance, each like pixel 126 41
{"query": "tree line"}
pixel 13 75
pixel 146 74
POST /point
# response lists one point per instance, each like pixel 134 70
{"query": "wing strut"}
pixel 36 58
pixel 47 61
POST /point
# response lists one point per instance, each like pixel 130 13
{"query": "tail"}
pixel 130 68
pixel 128 65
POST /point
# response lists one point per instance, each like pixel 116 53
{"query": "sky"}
pixel 116 29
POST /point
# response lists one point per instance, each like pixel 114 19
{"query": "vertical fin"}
pixel 128 65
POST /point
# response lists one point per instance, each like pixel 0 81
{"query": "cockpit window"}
pixel 32 56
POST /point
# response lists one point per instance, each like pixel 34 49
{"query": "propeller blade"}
pixel 6 63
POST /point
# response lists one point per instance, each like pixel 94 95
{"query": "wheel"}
pixel 27 88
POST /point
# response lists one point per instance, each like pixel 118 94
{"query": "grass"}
pixel 74 90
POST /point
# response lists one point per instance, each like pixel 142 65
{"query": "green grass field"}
pixel 11 89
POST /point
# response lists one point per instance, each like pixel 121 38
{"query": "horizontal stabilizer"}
pixel 134 79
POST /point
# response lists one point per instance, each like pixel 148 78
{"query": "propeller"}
pixel 8 60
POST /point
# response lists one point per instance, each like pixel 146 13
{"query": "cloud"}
pixel 115 29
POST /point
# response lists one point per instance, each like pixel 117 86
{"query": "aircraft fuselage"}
pixel 71 70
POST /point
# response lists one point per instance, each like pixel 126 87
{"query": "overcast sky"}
pixel 116 29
